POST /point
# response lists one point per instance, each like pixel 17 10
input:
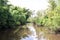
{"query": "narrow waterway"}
pixel 40 33
pixel 29 32
pixel 34 35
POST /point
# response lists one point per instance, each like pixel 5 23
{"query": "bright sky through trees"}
pixel 31 4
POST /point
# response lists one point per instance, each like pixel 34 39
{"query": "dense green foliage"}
pixel 3 2
pixel 6 19
pixel 20 14
pixel 10 16
pixel 51 17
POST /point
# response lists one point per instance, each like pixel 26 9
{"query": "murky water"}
pixel 33 35
pixel 40 33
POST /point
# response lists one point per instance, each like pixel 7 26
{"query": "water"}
pixel 42 37
pixel 34 35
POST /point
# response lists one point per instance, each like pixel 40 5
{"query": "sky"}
pixel 31 4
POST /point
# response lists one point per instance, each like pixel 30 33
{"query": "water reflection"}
pixel 41 36
pixel 33 35
pixel 30 37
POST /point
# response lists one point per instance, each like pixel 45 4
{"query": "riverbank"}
pixel 25 31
